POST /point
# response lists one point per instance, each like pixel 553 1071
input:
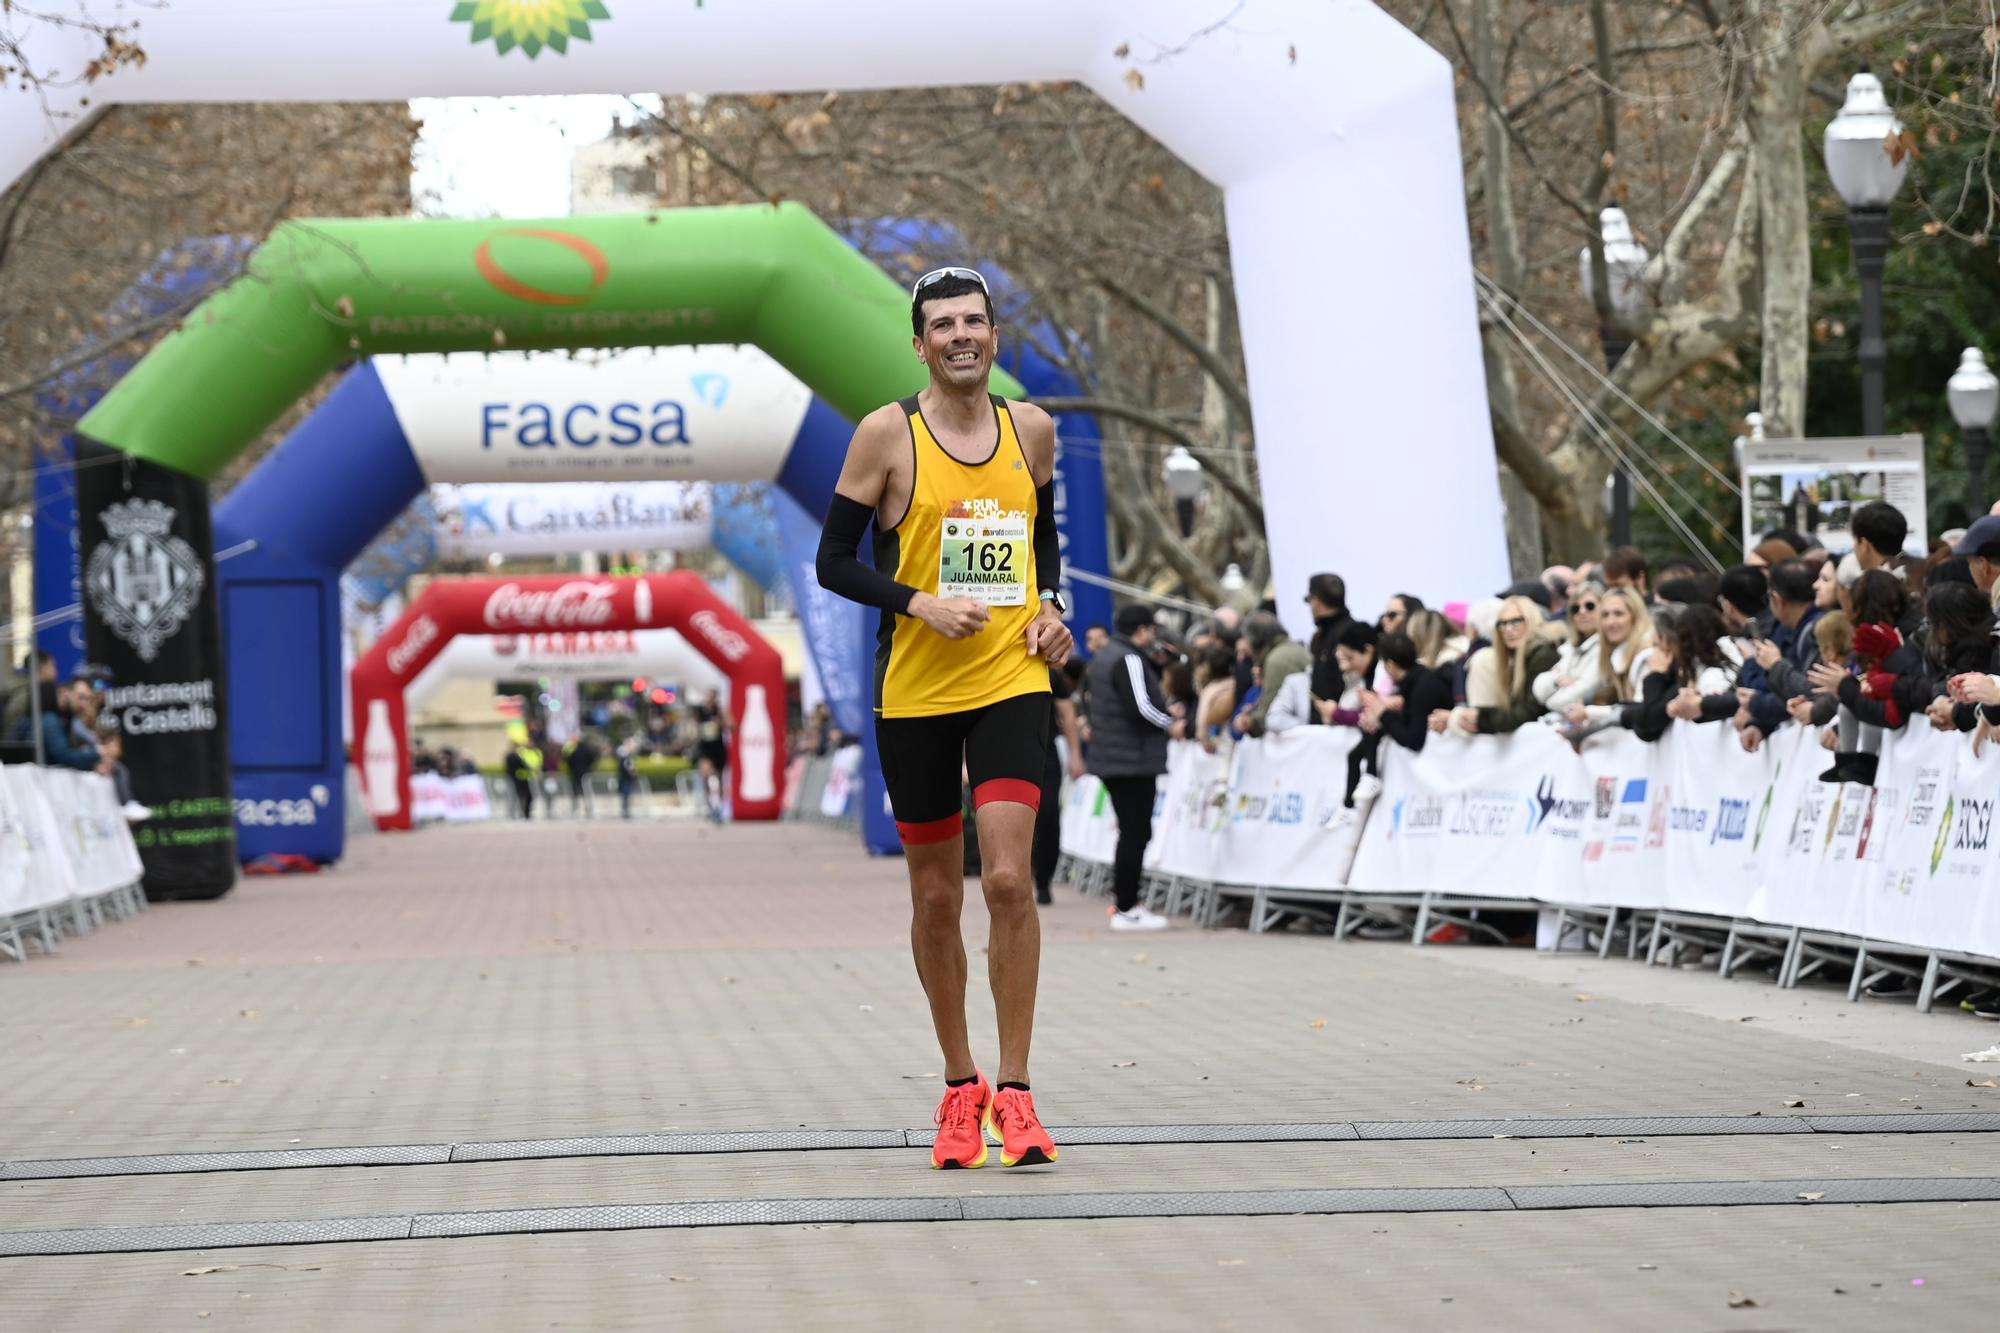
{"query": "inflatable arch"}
pixel 392 424
pixel 318 292
pixel 1295 109
pixel 557 603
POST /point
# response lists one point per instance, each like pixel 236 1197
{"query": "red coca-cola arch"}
pixel 560 603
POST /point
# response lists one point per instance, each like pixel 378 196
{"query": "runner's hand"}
pixel 953 617
pixel 1048 637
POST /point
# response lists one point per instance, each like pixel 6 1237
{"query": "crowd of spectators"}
pixel 67 718
pixel 1854 644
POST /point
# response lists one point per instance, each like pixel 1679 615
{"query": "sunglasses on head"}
pixel 938 274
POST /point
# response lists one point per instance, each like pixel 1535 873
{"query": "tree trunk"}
pixel 1776 115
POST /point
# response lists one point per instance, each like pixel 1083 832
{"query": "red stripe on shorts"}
pixel 931 830
pixel 1008 789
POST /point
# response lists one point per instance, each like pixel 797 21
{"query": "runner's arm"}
pixel 863 477
pixel 1037 430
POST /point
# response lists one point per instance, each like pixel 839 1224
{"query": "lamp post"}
pixel 1859 159
pixel 1185 482
pixel 1625 268
pixel 1974 395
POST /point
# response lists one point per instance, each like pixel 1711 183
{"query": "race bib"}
pixel 984 558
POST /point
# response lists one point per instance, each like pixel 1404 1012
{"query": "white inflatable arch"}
pixel 1330 128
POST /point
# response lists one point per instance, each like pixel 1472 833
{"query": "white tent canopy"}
pixel 1330 128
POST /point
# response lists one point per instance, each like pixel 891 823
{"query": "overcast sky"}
pixel 504 156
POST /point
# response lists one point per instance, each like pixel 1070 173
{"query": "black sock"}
pixel 960 1082
pixel 1017 1087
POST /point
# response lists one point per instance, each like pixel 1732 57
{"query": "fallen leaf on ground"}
pixel 1318 1023
pixel 1230 1263
pixel 1813 1196
pixel 1794 1101
pixel 1989 1083
pixel 1123 1064
pixel 137 1022
pixel 1738 1301
pixel 213 1268
pixel 1584 997
pixel 1649 1268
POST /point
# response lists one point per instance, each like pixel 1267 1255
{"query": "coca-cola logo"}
pixel 573 605
pixel 423 633
pixel 723 639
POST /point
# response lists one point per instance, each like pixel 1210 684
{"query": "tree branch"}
pixel 1153 421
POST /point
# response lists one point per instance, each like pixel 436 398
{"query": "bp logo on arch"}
pixel 531 25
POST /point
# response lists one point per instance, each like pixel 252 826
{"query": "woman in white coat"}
pixel 1573 679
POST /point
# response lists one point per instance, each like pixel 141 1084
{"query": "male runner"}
pixel 961 487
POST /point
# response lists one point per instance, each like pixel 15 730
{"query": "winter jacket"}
pixel 1423 692
pixel 1293 706
pixel 1577 661
pixel 1282 657
pixel 1325 666
pixel 58 750
pixel 1523 707
pixel 1128 714
pixel 1787 679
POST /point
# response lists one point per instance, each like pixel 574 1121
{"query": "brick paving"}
pixel 559 979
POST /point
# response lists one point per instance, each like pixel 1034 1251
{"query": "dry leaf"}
pixel 1124 49
pixel 345 305
pixel 1230 1263
pixel 212 1268
pixel 1794 1101
pixel 1123 1064
pixel 1738 1301
pixel 1135 81
pixel 1291 55
pixel 499 337
pixel 1319 1023
pixel 1989 1083
pixel 1813 1196
pixel 137 1022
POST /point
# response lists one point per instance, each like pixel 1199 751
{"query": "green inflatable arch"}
pixel 322 292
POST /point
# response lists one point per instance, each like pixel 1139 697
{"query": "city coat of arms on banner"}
pixel 144 581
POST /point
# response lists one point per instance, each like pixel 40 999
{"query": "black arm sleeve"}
pixel 1048 546
pixel 840 568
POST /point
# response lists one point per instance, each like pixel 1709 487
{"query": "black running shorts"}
pixel 1001 748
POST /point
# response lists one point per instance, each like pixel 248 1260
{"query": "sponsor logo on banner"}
pixel 1418 817
pixel 594 643
pixel 577 604
pixel 1943 833
pixel 584 425
pixel 1732 821
pixel 1971 830
pixel 1628 821
pixel 161 708
pixel 145 581
pixel 501 280
pixel 1656 817
pixel 733 646
pixel 1483 814
pixel 1546 810
pixel 283 813
pixel 1876 795
pixel 531 25
pixel 423 633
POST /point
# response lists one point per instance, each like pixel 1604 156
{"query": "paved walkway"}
pixel 456 988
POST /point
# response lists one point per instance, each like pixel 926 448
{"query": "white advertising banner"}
pixel 723 413
pixel 1688 823
pixel 16 883
pixel 842 782
pixel 435 798
pixel 1814 486
pixel 62 835
pixel 553 517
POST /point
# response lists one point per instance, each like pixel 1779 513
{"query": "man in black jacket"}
pixel 1326 595
pixel 1129 729
pixel 1405 718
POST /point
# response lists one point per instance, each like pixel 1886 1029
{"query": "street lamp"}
pixel 1866 169
pixel 1625 270
pixel 1974 395
pixel 1185 482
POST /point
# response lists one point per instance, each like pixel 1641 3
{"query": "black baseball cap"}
pixel 1981 535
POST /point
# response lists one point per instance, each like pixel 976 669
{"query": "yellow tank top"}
pixel 969 532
